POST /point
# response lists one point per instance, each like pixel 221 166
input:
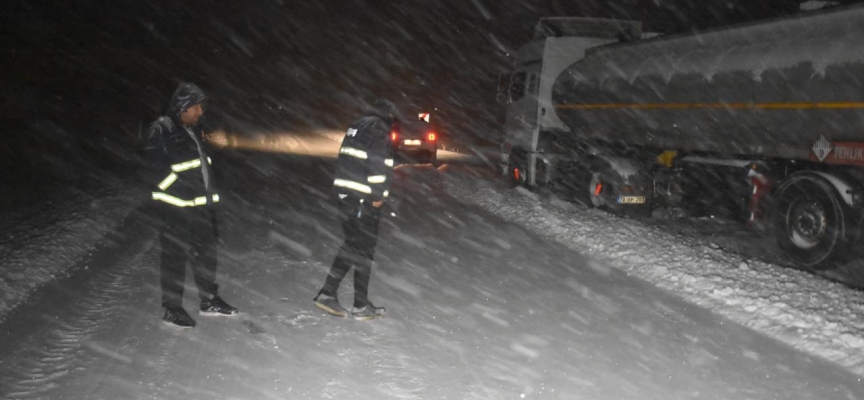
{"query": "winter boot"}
pixel 367 312
pixel 330 305
pixel 217 307
pixel 178 317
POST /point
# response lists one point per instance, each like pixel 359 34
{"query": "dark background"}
pixel 81 79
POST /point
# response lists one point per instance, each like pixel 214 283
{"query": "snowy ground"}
pixel 806 311
pixel 482 304
pixel 45 241
pixel 52 219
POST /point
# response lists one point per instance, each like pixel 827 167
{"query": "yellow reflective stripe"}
pixel 353 185
pixel 186 165
pixel 388 162
pixel 386 193
pixel 376 179
pixel 200 201
pixel 175 201
pixel 168 181
pixel 354 152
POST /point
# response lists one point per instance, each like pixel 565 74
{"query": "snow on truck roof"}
pixel 821 38
pixel 587 27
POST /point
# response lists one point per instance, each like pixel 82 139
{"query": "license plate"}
pixel 631 200
pixel 412 142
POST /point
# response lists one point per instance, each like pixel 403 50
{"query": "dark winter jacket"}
pixel 365 164
pixel 175 164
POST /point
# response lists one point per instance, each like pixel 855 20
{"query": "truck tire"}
pixel 810 222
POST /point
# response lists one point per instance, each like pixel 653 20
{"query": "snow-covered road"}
pixel 482 304
pixel 807 311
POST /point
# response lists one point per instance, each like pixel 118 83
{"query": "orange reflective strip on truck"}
pixel 673 106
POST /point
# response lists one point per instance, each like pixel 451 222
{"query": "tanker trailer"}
pixel 769 115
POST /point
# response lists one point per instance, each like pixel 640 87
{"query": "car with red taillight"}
pixel 414 142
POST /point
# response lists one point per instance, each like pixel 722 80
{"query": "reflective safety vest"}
pixel 172 177
pixel 362 187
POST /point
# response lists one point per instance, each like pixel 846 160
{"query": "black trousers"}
pixel 360 226
pixel 187 234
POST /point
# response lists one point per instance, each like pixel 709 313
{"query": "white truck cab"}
pixel 526 91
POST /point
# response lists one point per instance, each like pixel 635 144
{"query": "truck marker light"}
pixel 393 136
pixel 431 136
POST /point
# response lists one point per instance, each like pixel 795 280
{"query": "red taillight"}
pixel 431 136
pixel 516 173
pixel 598 189
pixel 393 136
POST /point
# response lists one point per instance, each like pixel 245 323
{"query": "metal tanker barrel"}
pixel 769 89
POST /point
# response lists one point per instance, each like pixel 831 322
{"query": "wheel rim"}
pixel 811 222
pixel 808 222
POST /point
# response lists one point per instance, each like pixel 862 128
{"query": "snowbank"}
pixel 45 239
pixel 820 317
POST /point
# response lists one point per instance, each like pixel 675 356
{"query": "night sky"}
pixel 100 70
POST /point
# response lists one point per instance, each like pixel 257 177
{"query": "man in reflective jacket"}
pixel 184 194
pixel 363 173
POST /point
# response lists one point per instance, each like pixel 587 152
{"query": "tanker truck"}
pixel 767 117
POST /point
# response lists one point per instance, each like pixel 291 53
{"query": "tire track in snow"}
pixel 42 238
pixel 56 354
pixel 56 345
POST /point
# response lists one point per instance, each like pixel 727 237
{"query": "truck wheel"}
pixel 810 222
pixel 433 159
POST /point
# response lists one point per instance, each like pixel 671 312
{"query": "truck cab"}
pixel 531 126
pixel 760 116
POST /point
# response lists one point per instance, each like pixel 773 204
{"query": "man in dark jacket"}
pixel 184 193
pixel 363 173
